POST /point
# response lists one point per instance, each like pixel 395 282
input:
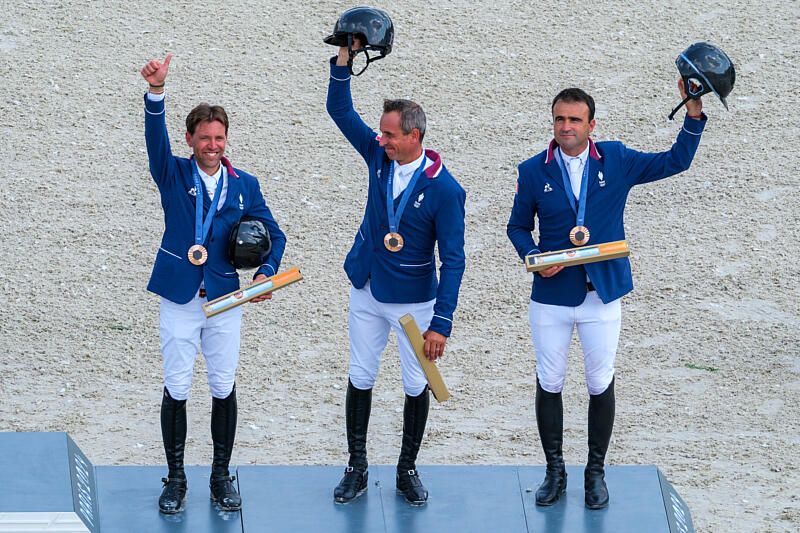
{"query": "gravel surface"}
pixel 707 372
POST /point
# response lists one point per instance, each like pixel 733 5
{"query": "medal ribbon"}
pixel 201 226
pixel 394 217
pixel 581 209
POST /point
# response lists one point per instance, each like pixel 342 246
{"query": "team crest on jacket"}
pixel 419 200
pixel 601 179
pixel 547 187
pixel 241 203
pixel 192 191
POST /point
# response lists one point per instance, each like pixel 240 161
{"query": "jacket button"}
pixel 374 249
pixel 212 239
pixel 381 227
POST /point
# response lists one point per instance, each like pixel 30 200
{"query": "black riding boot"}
pixel 601 422
pixel 358 404
pixel 550 421
pixel 173 432
pixel 223 432
pixel 415 415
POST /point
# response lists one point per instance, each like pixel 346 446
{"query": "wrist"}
pixel 697 116
pixel 156 89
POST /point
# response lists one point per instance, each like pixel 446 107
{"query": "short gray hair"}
pixel 411 115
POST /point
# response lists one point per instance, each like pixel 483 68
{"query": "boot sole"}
pixel 412 502
pixel 222 507
pixel 596 507
pixel 548 504
pixel 173 511
pixel 339 499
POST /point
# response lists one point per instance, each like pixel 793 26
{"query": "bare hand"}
pixel 434 344
pixel 693 107
pixel 344 55
pixel 552 271
pixel 267 296
pixel 155 72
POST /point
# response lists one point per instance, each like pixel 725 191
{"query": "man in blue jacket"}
pixel 577 190
pixel 413 203
pixel 202 197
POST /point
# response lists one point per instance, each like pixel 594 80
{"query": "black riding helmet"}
pixel 705 69
pixel 249 243
pixel 372 26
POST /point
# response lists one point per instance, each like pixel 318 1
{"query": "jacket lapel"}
pixel 430 174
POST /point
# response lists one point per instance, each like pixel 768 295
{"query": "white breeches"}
pixel 370 324
pixel 598 330
pixel 184 328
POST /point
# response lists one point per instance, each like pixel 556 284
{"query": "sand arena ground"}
pixel 708 370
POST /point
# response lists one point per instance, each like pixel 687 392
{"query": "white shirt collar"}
pixel 214 176
pixel 412 166
pixel 583 156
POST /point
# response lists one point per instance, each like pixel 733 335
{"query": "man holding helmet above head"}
pixel 203 198
pixel 577 190
pixel 413 204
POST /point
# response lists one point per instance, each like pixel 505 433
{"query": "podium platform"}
pixel 299 498
pixel 48 485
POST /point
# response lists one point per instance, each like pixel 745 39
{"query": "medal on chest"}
pixel 393 241
pixel 197 253
pixel 578 235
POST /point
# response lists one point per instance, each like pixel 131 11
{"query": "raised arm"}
pixel 155 127
pixel 644 167
pixel 340 108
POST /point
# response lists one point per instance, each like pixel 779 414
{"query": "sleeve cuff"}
pixel 154 107
pixel 441 325
pixel 339 73
pixel 693 125
pixel 155 97
pixel 266 269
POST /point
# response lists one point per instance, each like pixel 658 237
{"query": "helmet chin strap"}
pixel 351 54
pixel 688 97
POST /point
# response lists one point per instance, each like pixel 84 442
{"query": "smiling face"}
pixel 401 147
pixel 571 126
pixel 208 143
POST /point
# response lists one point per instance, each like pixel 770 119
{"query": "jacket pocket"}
pixel 417 265
pixel 415 270
pixel 168 253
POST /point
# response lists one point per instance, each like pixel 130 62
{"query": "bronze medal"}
pixel 393 241
pixel 579 235
pixel 197 254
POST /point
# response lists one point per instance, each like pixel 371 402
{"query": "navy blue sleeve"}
pixel 340 108
pixel 449 221
pixel 159 153
pixel 259 210
pixel 521 223
pixel 643 167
